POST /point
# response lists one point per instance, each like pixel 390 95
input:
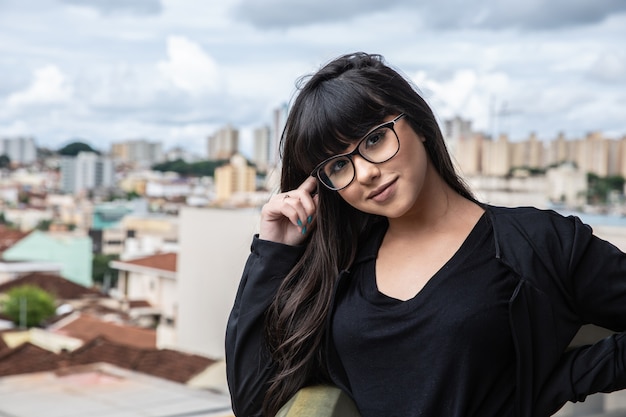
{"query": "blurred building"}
pixel 152 279
pixel 280 118
pixel 567 185
pixel 235 177
pixel 85 172
pixel 140 152
pixel 20 150
pixel 147 234
pixel 477 154
pixel 496 156
pixel 71 251
pixel 262 148
pixel 214 245
pixel 224 143
pixel 457 130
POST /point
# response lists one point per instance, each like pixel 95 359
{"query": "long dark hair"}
pixel 333 108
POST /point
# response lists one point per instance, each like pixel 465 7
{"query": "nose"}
pixel 364 171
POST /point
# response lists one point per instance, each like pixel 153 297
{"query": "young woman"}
pixel 376 270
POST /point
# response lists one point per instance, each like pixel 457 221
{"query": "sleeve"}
pixel 597 281
pixel 600 294
pixel 248 364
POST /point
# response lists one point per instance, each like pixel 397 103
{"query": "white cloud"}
pixel 189 68
pixel 49 86
pixel 177 71
pixel 609 66
pixel 467 93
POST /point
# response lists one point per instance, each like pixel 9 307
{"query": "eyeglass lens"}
pixel 377 147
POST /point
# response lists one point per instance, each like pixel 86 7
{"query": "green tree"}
pixel 599 188
pixel 132 195
pixel 101 272
pixel 44 225
pixel 196 169
pixel 74 148
pixel 28 305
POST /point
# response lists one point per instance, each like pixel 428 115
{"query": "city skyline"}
pixel 178 71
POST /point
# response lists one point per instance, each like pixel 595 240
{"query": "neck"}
pixel 440 208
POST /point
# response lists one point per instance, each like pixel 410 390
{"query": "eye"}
pixel 375 138
pixel 337 166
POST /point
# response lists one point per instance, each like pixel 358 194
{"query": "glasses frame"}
pixel 390 124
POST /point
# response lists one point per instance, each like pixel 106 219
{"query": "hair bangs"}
pixel 335 116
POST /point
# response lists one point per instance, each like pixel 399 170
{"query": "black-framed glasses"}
pixel 378 146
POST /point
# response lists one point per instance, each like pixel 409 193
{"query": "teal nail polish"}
pixel 299 222
pixel 304 230
pixel 309 219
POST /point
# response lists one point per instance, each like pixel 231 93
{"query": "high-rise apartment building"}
pixel 496 157
pixel 224 143
pixel 262 143
pixel 235 177
pixel 528 153
pixel 21 150
pixel 280 118
pixel 140 152
pixel 86 171
pixel 475 154
pixel 592 154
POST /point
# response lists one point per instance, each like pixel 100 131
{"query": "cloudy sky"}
pixel 104 71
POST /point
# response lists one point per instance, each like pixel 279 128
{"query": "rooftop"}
pixel 105 390
pixel 58 286
pixel 161 261
pixel 87 328
pixel 9 237
pixel 168 364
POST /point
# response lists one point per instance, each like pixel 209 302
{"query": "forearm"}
pixel 249 365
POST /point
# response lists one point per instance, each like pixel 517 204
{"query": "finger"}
pixel 299 202
pixel 309 185
pixel 309 204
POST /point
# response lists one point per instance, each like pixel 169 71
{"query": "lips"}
pixel 381 189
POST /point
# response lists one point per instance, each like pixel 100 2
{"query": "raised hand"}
pixel 288 217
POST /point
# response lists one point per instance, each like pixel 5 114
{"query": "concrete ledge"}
pixel 319 401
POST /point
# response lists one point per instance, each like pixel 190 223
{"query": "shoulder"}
pixel 524 233
pixel 532 220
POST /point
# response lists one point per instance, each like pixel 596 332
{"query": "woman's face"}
pixel 395 187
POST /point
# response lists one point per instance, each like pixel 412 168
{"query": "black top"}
pixel 446 352
pixel 565 277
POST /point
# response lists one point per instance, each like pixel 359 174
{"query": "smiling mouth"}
pixel 381 189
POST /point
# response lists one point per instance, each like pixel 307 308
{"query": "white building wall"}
pixel 21 150
pixel 169 298
pixel 143 287
pixel 86 171
pixel 214 246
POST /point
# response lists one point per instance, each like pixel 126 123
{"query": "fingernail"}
pixel 309 219
pixel 299 222
pixel 304 230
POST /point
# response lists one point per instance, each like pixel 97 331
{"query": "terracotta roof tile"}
pixel 27 358
pixel 102 350
pixel 58 286
pixel 167 364
pixel 138 303
pixel 9 237
pixel 164 261
pixel 171 364
pixel 86 328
